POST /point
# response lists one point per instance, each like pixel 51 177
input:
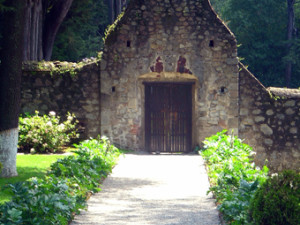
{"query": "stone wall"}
pixel 165 41
pixel 170 41
pixel 45 87
pixel 270 122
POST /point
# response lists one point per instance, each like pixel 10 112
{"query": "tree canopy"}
pixel 261 31
pixel 261 28
pixel 81 33
pixel 65 29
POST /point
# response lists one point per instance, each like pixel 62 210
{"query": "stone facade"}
pixel 270 122
pixel 63 92
pixel 168 41
pixel 178 41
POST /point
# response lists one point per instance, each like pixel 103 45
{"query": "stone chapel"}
pixel 169 77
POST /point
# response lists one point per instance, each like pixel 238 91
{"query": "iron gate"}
pixel 168 117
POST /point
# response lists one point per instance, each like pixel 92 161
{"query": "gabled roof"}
pixel 137 8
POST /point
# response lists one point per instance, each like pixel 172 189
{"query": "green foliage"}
pixel 100 148
pixel 56 198
pixel 3 7
pixel 110 32
pixel 295 50
pixel 220 6
pixel 235 206
pixel 45 133
pixel 81 33
pixel 60 68
pixel 277 201
pixel 261 29
pixel 27 166
pixel 293 56
pixel 98 157
pixel 38 201
pixel 261 36
pixel 233 176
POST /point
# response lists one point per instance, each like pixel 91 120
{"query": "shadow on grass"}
pixel 27 166
pixel 24 173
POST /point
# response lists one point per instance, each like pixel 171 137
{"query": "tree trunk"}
pixel 111 16
pixel 118 8
pixel 52 24
pixel 290 35
pixel 10 84
pixel 115 7
pixel 8 152
pixel 33 29
pixel 42 22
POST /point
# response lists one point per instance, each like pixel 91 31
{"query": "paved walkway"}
pixel 153 189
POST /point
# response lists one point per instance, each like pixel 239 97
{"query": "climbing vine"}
pixel 109 35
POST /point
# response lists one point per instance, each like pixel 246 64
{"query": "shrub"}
pixel 96 159
pixel 38 201
pixel 46 133
pixel 277 201
pixel 56 198
pixel 233 176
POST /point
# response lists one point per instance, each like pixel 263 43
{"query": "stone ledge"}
pixel 168 77
pixel 57 66
pixel 285 92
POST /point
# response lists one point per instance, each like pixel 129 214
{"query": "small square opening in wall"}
pixel 113 89
pixel 128 44
pixel 211 43
pixel 223 90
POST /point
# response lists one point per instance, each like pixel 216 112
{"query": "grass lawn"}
pixel 27 166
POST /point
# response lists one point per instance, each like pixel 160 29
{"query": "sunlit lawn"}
pixel 27 166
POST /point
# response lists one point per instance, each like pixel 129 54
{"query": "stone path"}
pixel 153 189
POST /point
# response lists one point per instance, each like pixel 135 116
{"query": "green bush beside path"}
pixel 245 193
pixel 57 197
pixel 27 166
pixel 233 176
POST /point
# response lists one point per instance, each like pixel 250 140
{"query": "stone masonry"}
pixel 270 122
pixel 63 92
pixel 168 41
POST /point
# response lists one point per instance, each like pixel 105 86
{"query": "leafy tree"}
pixel 42 21
pixel 291 32
pixel 261 31
pixel 115 7
pixel 3 7
pixel 10 83
pixel 220 6
pixel 81 33
pixel 293 43
pixel 76 26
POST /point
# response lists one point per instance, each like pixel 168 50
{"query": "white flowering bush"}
pixel 43 134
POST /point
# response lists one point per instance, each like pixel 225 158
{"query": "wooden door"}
pixel 168 117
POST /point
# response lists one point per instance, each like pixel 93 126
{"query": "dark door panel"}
pixel 168 115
